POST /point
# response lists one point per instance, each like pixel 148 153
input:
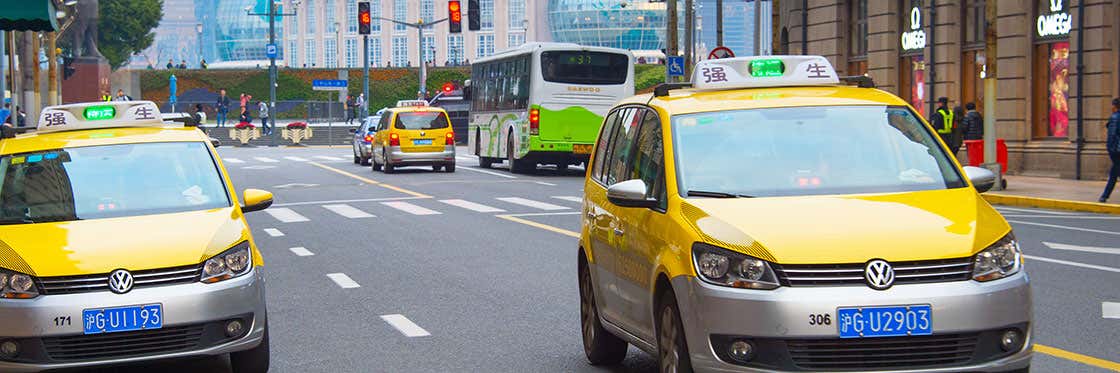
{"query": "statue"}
pixel 84 30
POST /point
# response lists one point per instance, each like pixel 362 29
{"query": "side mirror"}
pixel 981 178
pixel 255 200
pixel 630 193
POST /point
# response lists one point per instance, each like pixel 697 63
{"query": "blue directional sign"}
pixel 271 51
pixel 328 85
pixel 676 66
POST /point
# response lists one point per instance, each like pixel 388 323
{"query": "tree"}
pixel 126 27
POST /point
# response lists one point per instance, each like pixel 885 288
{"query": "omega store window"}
pixel 1051 70
pixel 912 64
pixel 973 59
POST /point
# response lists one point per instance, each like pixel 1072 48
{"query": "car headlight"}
pixel 724 267
pixel 17 285
pixel 1002 259
pixel 232 263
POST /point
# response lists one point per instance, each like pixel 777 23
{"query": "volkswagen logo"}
pixel 120 281
pixel 879 274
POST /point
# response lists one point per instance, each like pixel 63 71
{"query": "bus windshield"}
pixel 582 67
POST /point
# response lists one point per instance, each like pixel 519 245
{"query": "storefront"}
pixel 912 65
pixel 1051 71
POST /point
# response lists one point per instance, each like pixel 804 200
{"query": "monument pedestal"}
pixel 90 79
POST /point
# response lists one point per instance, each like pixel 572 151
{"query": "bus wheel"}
pixel 483 161
pixel 515 166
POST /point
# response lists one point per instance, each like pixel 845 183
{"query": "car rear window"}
pixel 421 120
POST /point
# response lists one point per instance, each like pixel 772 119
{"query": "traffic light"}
pixel 474 16
pixel 364 18
pixel 454 17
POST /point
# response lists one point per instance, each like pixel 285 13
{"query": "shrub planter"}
pixel 244 132
pixel 296 132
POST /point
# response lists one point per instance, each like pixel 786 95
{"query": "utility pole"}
pixel 419 26
pixel 365 77
pixel 689 36
pixel 52 68
pixel 4 64
pixel 272 62
pixel 719 23
pixel 758 27
pixel 671 37
pixel 990 85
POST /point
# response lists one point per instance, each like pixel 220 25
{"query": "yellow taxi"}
pixel 774 218
pixel 122 240
pixel 413 134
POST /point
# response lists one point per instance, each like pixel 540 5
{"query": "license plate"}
pixel 422 142
pixel 581 149
pixel 122 319
pixel 887 321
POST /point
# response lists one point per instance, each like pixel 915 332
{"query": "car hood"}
pixel 133 243
pixel 922 225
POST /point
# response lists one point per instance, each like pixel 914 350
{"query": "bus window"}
pixel 582 67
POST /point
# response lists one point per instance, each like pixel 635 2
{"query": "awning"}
pixel 27 15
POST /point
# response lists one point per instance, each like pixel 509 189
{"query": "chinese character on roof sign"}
pixel 56 118
pixel 145 113
pixel 817 71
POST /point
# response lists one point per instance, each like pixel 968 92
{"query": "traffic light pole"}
pixel 419 26
pixel 271 66
pixel 365 79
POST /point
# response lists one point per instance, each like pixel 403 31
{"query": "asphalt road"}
pixel 475 270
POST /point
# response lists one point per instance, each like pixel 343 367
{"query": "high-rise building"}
pixel 637 25
pixel 738 26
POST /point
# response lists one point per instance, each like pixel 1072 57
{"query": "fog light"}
pixel 9 349
pixel 234 328
pixel 1010 340
pixel 741 350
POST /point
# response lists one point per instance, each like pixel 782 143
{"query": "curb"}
pixel 1012 200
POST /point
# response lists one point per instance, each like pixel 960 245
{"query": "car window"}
pixel 648 164
pixel 421 120
pixel 622 145
pixel 601 147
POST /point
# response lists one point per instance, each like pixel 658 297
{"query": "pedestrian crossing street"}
pixel 298 213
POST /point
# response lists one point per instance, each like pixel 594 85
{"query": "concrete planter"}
pixel 296 134
pixel 244 135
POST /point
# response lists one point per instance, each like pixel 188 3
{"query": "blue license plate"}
pixel 122 319
pixel 422 142
pixel 887 321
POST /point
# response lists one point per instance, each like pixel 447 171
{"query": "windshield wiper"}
pixel 15 220
pixel 703 193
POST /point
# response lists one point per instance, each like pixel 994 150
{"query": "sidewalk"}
pixel 1045 192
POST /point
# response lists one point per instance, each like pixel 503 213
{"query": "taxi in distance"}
pixel 413 134
pixel 773 217
pixel 121 241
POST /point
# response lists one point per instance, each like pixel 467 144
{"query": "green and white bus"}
pixel 543 103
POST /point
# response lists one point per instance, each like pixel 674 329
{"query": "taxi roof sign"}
pixel 411 103
pixel 92 115
pixel 764 71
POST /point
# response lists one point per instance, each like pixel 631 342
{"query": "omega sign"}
pixel 1057 23
pixel 916 37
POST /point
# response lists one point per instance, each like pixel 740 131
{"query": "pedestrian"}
pixel 1112 143
pixel 246 117
pixel 170 64
pixel 262 111
pixel 942 121
pixel 21 117
pixel 245 101
pixel 202 65
pixel 361 102
pixel 196 116
pixel 351 110
pixel 973 123
pixel 957 135
pixel 223 107
pixel 183 64
pixel 5 112
pixel 121 96
pixel 105 96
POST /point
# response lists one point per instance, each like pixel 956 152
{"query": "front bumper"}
pixel 194 316
pixel 399 157
pixel 966 316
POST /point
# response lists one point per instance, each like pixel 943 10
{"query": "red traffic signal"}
pixel 454 17
pixel 364 18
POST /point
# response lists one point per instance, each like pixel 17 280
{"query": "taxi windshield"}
pixel 809 151
pixel 421 120
pixel 109 181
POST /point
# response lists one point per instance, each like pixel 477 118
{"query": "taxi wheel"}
pixel 600 346
pixel 672 351
pixel 373 160
pixel 387 167
pixel 436 167
pixel 254 360
pixel 450 167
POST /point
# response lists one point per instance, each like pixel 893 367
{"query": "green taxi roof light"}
pixel 770 67
pixel 100 112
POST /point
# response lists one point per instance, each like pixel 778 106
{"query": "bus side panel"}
pixel 491 130
pixel 571 123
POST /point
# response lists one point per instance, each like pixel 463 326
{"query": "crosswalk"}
pixel 317 158
pixel 418 207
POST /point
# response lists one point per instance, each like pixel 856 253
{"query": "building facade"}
pixel 324 33
pixel 738 26
pixel 924 49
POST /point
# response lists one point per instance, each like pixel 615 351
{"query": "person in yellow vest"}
pixel 942 121
pixel 105 96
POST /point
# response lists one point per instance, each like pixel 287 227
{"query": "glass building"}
pixel 231 35
pixel 626 24
pixel 738 26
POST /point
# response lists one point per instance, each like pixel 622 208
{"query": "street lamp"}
pixel 272 58
pixel 198 27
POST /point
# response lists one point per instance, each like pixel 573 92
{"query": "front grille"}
pixel 100 282
pixel 914 272
pixel 879 353
pixel 117 345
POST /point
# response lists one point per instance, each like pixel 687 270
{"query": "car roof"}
pixel 32 142
pixel 687 101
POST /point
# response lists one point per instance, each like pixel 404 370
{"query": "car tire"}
pixel 672 350
pixel 387 167
pixel 364 161
pixel 450 167
pixel 254 360
pixel 373 160
pixel 515 166
pixel 600 346
pixel 357 158
pixel 436 167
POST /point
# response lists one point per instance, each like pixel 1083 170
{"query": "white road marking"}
pixel 1064 227
pixel 1087 249
pixel 1033 211
pixel 297 159
pixel 488 172
pixel 1075 264
pixel 295 185
pixel 547 213
pixel 544 183
pixel 286 215
pixel 266 159
pixel 532 203
pixel 328 158
pixel 345 201
pixel 301 251
pixel 257 167
pixel 410 208
pixel 273 232
pixel 348 211
pixel 343 280
pixel 1110 310
pixel 471 205
pixel 232 160
pixel 1082 217
pixel 405 326
pixel 570 198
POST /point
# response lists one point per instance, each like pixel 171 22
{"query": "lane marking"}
pixel 232 160
pixel 286 215
pixel 301 251
pixel 1084 359
pixel 405 326
pixel 544 183
pixel 1087 249
pixel 343 281
pixel 570 198
pixel 539 225
pixel 1064 217
pixel 295 185
pixel 1074 264
pixel 273 232
pixel 1110 310
pixel 348 211
pixel 1034 211
pixel 471 205
pixel 532 203
pixel 1064 227
pixel 257 167
pixel 368 180
pixel 411 208
pixel 547 213
pixel 297 159
pixel 327 158
pixel 488 172
pixel 345 201
pixel 266 160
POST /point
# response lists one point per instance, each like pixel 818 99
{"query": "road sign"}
pixel 676 66
pixel 270 51
pixel 329 85
pixel 720 52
